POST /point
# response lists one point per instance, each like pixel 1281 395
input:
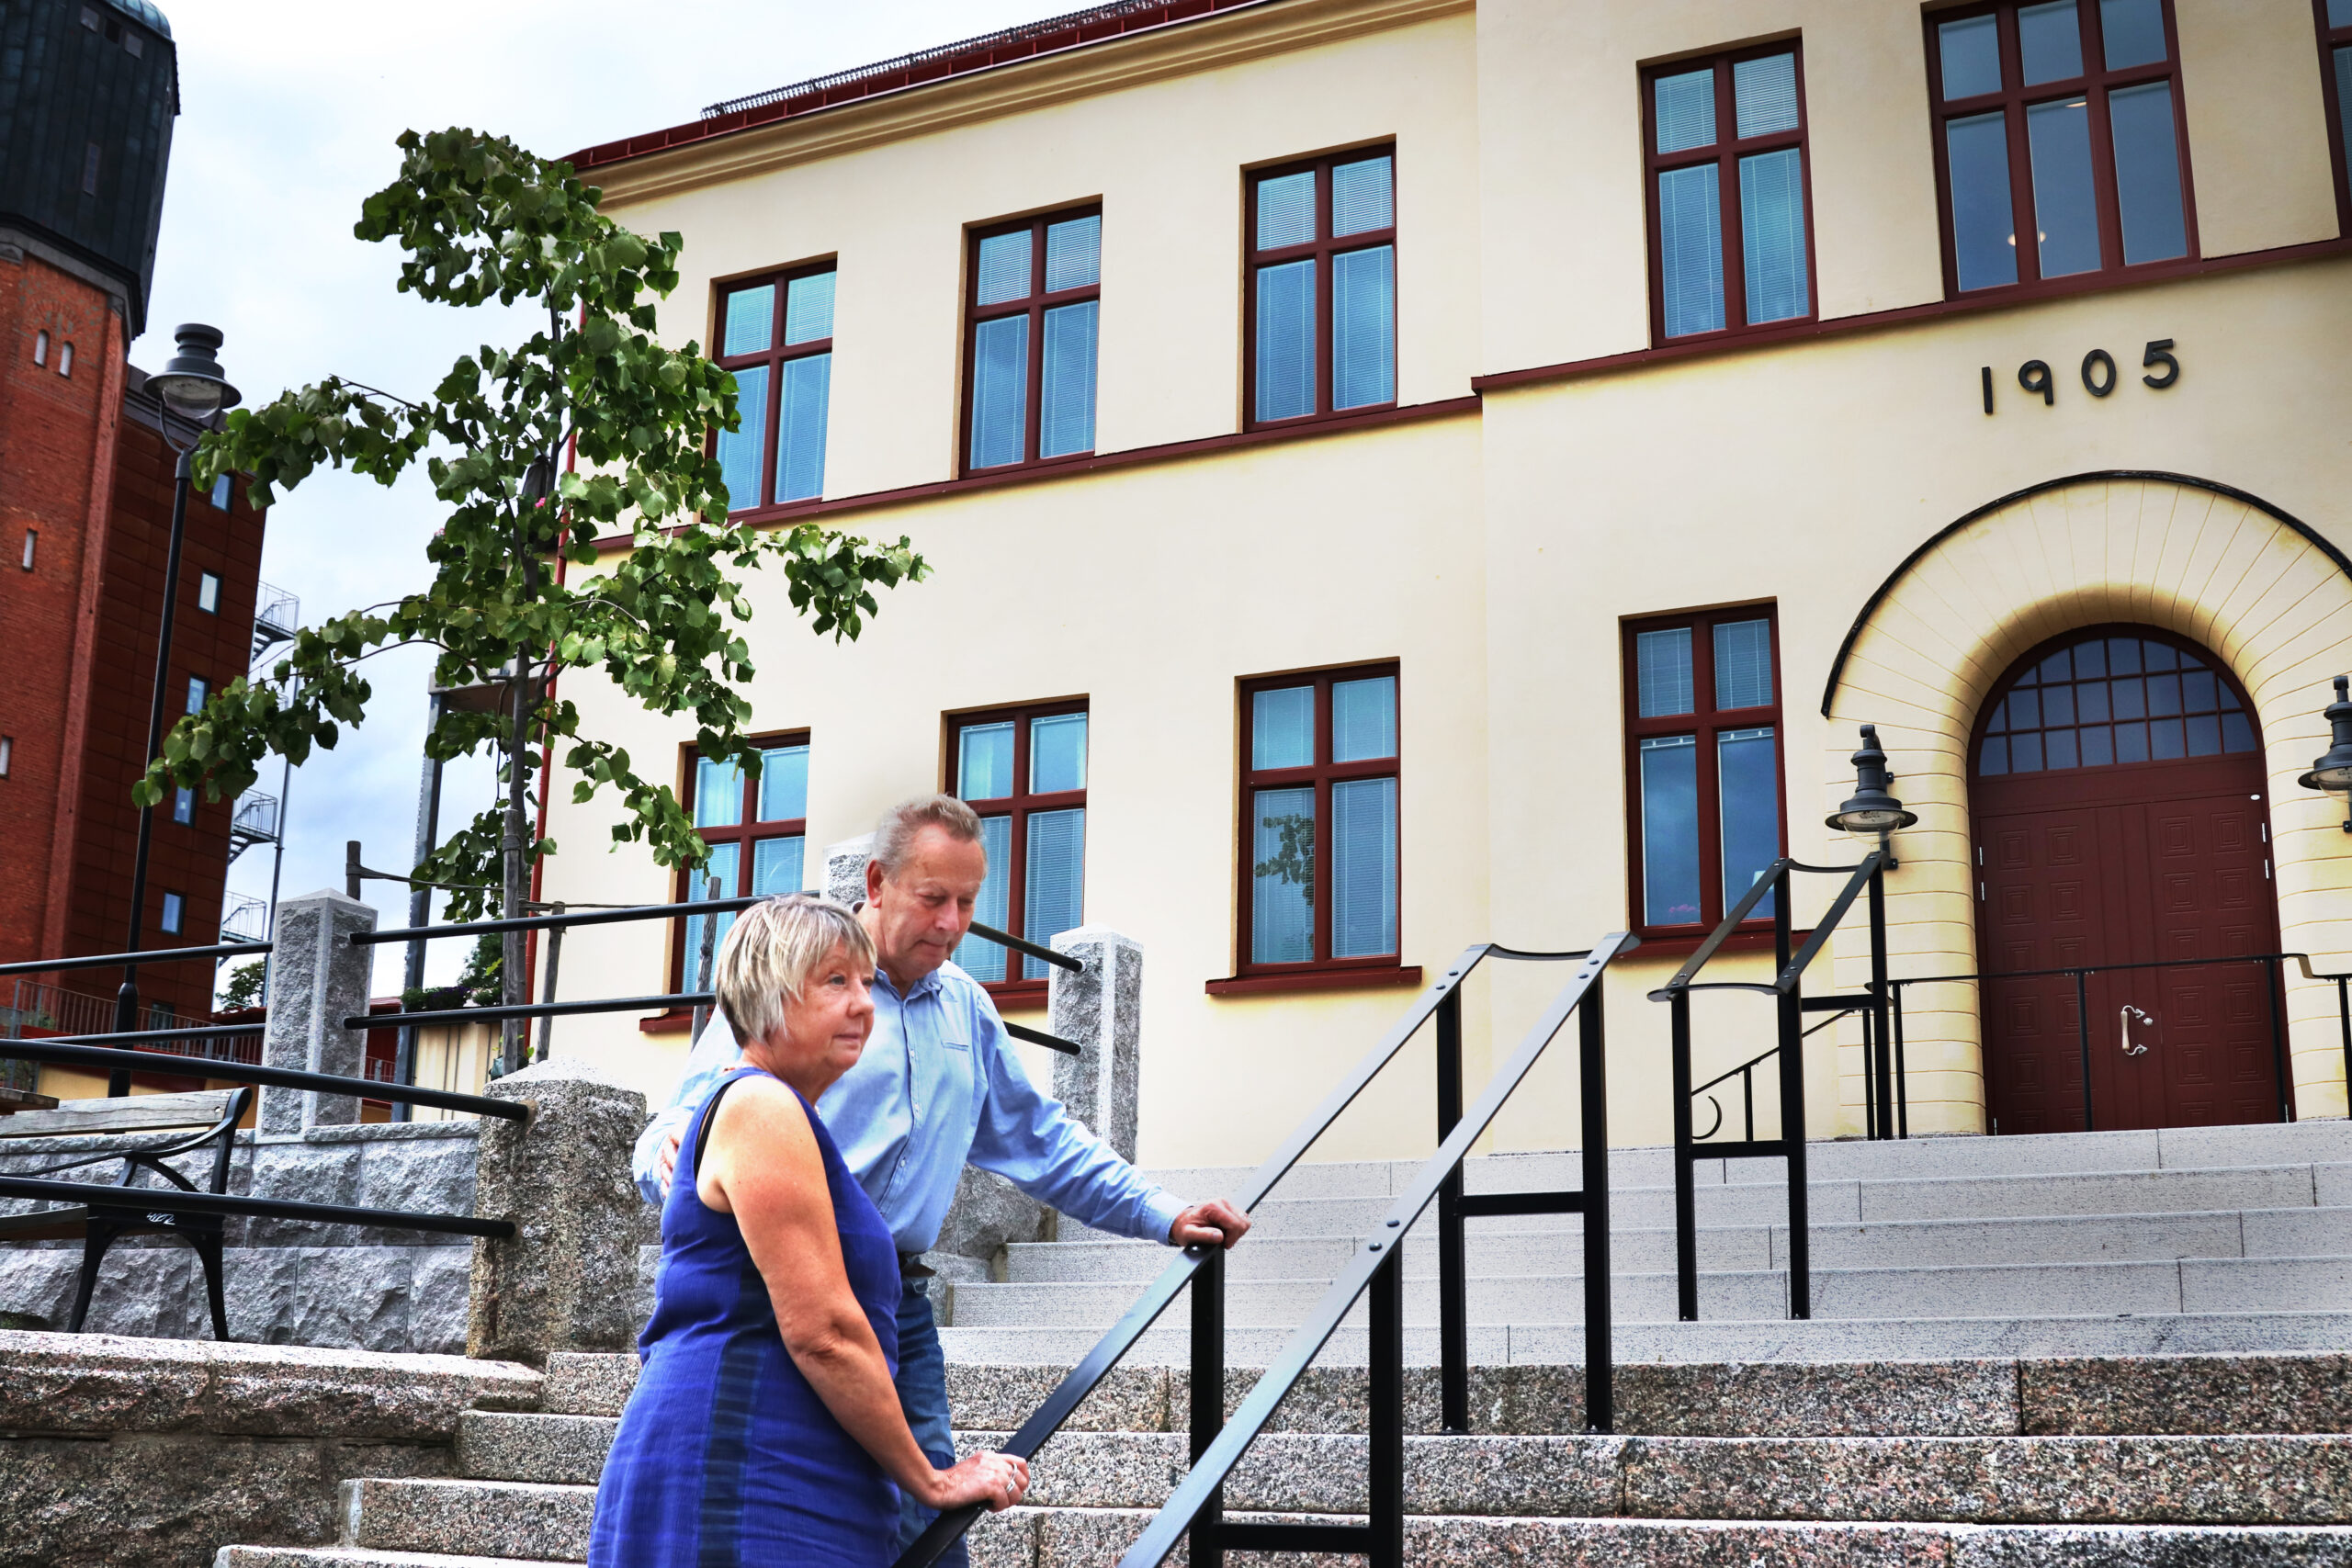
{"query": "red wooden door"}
pixel 2120 821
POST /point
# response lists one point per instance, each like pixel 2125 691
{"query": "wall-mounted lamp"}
pixel 1872 810
pixel 2333 771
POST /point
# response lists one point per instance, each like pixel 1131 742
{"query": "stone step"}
pixel 1819 1340
pixel 2121 1396
pixel 2104 1238
pixel 1087 1538
pixel 359 1557
pixel 1645 1207
pixel 557 1449
pixel 2197 1285
pixel 2013 1480
pixel 482 1518
pixel 588 1384
pixel 1849 1159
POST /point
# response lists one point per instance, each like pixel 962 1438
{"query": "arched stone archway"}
pixel 2261 589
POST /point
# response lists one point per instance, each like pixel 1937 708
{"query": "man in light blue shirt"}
pixel 938 1084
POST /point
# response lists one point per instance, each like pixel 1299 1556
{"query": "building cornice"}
pixel 1201 43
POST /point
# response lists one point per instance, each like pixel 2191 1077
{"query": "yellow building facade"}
pixel 1688 356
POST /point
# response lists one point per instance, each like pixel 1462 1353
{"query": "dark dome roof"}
pixel 144 13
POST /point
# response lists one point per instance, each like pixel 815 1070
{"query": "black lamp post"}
pixel 2333 771
pixel 190 385
pixel 1872 810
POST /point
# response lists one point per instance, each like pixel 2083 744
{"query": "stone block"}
pixel 988 1214
pixel 1099 1009
pixel 495 1445
pixel 845 880
pixel 984 1397
pixel 582 1384
pixel 437 1311
pixel 2121 1394
pixel 302 1172
pixel 485 1518
pixel 317 979
pixel 567 1280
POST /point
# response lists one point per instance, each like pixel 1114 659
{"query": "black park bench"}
pixel 114 1211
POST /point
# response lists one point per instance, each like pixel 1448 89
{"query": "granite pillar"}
pixel 1101 1009
pixel 567 1280
pixel 316 980
pixel 845 880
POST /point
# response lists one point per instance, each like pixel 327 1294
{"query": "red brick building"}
pixel 87 92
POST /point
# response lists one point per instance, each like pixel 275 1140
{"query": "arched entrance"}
pixel 2117 801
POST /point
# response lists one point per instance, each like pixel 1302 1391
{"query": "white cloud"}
pixel 289 114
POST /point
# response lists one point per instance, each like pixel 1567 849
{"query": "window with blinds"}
pixel 2060 145
pixel 1023 770
pixel 757 833
pixel 776 334
pixel 1322 292
pixel 1035 304
pixel 2334 17
pixel 1703 765
pixel 1319 832
pixel 1731 242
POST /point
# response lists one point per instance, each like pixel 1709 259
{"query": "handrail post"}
pixel 1870 1081
pixel 2274 984
pixel 1600 1362
pixel 2083 1033
pixel 1386 1410
pixel 1881 1046
pixel 1208 1399
pixel 1452 1265
pixel 1686 1213
pixel 2343 1022
pixel 1902 1070
pixel 1792 1022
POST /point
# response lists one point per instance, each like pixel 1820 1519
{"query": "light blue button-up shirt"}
pixel 938 1084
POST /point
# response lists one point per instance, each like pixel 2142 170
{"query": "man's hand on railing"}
pixel 1213 1224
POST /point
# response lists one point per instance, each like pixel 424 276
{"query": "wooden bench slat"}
pixel 48 1224
pixel 130 1113
pixel 25 1100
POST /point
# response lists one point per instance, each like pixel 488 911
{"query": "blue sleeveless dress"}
pixel 724 1455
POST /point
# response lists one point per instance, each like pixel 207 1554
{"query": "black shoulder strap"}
pixel 710 1113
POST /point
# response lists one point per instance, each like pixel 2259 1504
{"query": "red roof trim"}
pixel 1008 48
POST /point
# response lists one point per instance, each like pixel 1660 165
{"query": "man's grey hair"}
pixel 894 836
pixel 773 950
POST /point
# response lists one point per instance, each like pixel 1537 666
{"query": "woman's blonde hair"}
pixel 773 951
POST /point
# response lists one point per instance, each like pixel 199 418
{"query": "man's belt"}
pixel 910 1266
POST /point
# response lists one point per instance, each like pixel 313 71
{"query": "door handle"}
pixel 2128 1013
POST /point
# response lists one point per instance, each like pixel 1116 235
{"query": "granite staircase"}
pixel 1995 1381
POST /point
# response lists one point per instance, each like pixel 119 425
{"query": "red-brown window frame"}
pixel 774 356
pixel 1706 721
pixel 1725 153
pixel 2330 41
pixel 2096 85
pixel 1015 988
pixel 1322 774
pixel 1034 305
pixel 742 834
pixel 1323 247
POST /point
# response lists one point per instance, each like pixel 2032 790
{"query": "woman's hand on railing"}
pixel 995 1480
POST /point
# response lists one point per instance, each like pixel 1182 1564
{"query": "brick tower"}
pixel 88 90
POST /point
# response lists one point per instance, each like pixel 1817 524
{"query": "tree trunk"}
pixel 514 984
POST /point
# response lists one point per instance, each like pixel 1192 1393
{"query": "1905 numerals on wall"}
pixel 2099 375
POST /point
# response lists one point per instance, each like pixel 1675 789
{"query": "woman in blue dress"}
pixel 764 1428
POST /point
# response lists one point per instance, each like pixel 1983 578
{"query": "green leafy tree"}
pixel 479 220
pixel 243 986
pixel 1294 857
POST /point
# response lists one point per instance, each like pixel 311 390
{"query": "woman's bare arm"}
pixel 762 1165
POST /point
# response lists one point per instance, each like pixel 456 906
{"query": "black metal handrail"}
pixel 1201 1268
pixel 168 1201
pixel 2081 973
pixel 679 911
pixel 1790 1005
pixel 67 1054
pixel 132 960
pixel 1378 1268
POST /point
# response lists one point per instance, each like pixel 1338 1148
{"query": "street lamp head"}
pixel 2333 771
pixel 1872 810
pixel 191 383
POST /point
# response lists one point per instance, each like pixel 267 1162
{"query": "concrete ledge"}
pixel 97 1383
pixel 158 1452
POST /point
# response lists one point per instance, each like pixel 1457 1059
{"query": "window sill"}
pixel 1684 945
pixel 677 1020
pixel 1010 996
pixel 1316 980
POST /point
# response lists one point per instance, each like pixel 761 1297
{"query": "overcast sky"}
pixel 287 114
